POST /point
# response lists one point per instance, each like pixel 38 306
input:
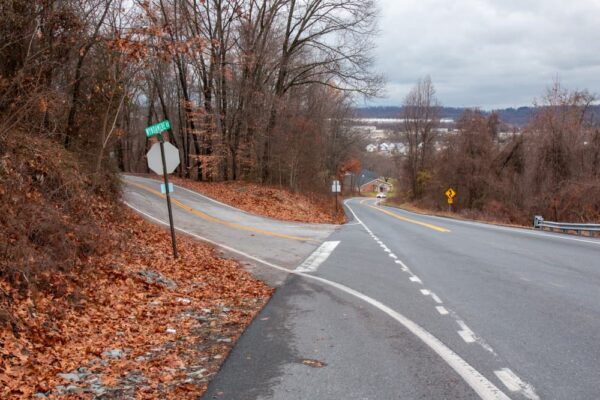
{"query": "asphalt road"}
pixel 285 244
pixel 396 305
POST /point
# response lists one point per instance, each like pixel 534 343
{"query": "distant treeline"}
pixel 512 116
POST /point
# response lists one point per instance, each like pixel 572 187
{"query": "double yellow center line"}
pixel 209 218
pixel 412 221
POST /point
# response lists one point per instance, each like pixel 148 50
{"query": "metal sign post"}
pixel 450 193
pixel 168 195
pixel 336 188
pixel 169 160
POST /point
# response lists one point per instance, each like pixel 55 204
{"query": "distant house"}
pixel 400 148
pixel 352 182
pixel 384 147
pixel 377 185
pixel 365 176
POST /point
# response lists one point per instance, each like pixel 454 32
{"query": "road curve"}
pixel 280 242
pixel 396 305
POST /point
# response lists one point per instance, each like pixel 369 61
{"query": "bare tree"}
pixel 325 42
pixel 420 114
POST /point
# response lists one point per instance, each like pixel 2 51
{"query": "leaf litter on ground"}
pixel 268 201
pixel 136 323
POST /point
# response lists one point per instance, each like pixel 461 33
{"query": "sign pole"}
pixel 336 203
pixel 166 177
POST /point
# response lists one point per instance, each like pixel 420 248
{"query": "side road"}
pixel 338 336
pixel 285 243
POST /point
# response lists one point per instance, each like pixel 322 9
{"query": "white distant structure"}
pixel 387 149
pixel 383 121
pixel 400 148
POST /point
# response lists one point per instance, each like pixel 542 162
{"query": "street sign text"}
pixel 155 129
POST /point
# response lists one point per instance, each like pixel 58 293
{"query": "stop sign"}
pixel 155 160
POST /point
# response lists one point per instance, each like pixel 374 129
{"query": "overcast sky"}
pixel 488 53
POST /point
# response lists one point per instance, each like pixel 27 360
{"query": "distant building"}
pixel 352 182
pixel 377 185
pixel 384 147
pixel 400 148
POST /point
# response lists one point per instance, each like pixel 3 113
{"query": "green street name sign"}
pixel 155 129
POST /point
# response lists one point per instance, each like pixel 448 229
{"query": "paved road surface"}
pixel 396 305
pixel 286 244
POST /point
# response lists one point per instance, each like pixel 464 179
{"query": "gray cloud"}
pixel 488 53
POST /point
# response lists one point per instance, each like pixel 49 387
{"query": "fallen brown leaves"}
pixel 118 318
pixel 162 330
pixel 269 201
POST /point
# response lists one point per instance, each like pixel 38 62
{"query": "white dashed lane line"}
pixel 442 310
pixel 484 388
pixel 465 333
pixel 515 384
pixel 436 298
pixel 505 375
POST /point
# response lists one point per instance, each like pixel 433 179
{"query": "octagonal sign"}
pixel 155 160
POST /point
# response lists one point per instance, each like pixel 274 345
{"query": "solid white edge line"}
pixel 479 383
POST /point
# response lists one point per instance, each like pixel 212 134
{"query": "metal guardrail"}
pixel 540 223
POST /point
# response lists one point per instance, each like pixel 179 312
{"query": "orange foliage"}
pixel 350 165
pixel 112 302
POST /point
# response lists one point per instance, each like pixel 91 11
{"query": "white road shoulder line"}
pixel 416 279
pixel 515 384
pixel 318 257
pixel 479 383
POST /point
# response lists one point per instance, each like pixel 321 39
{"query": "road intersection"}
pixel 400 305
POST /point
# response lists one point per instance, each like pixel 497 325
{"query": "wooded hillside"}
pixel 254 90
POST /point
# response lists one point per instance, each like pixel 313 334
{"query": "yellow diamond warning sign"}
pixel 450 193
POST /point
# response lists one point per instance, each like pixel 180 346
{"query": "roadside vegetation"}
pixel 270 201
pixel 550 167
pixel 91 302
